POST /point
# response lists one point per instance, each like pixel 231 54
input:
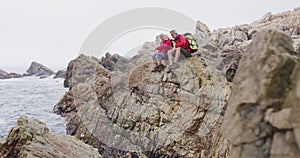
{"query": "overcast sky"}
pixel 52 31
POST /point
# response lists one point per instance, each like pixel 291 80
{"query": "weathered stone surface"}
pixel 116 62
pixel 80 67
pixel 214 44
pixel 288 22
pixel 203 36
pixel 293 101
pixel 157 114
pixel 230 36
pixel 257 107
pixel 31 138
pixel 65 105
pixel 37 69
pixel 280 119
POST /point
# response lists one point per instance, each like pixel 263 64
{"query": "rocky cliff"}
pixel 147 114
pixel 125 110
pixel 31 138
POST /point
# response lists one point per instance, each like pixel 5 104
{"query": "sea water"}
pixel 32 97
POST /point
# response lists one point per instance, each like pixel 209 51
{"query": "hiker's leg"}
pixel 164 58
pixel 159 57
pixel 170 56
pixel 154 60
pixel 177 54
pixel 158 61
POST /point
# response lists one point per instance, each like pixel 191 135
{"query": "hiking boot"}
pixel 170 69
pixel 155 69
pixel 161 67
pixel 175 65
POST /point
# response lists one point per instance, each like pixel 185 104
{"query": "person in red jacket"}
pixel 161 54
pixel 181 49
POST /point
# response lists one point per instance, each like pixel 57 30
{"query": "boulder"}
pixel 115 62
pixel 82 67
pixel 31 138
pixel 37 69
pixel 258 119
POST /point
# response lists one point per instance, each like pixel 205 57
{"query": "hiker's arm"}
pixel 160 47
pixel 181 42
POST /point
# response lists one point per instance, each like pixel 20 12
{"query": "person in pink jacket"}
pixel 162 53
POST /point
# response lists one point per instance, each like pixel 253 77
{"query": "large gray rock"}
pixel 80 67
pixel 60 74
pixel 116 62
pixel 3 73
pixel 31 138
pixel 37 69
pixel 203 36
pixel 158 114
pixel 258 117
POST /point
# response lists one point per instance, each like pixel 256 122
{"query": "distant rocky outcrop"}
pixel 6 75
pixel 31 138
pixel 37 69
pixel 60 74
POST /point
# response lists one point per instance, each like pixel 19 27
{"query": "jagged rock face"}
pixel 261 119
pixel 65 105
pixel 31 138
pixel 153 114
pixel 5 75
pixel 38 69
pixel 81 68
pixel 231 36
pixel 214 45
pixel 288 22
pixel 116 62
pixel 203 36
